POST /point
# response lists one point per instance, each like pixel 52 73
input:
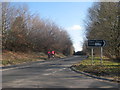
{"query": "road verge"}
pixel 109 70
pixel 93 76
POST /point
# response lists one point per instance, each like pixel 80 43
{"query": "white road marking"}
pixel 29 65
pixel 54 72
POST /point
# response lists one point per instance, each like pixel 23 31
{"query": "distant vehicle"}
pixel 80 53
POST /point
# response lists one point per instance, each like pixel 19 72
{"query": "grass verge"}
pixel 108 69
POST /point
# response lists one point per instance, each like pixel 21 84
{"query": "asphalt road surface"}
pixel 50 74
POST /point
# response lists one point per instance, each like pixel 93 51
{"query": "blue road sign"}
pixel 96 43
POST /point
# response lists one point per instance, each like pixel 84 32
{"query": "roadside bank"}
pixel 13 58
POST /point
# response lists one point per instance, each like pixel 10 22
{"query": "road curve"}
pixel 50 74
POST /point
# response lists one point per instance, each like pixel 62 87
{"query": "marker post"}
pixel 92 54
pixel 101 55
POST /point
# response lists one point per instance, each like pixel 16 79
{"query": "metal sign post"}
pixel 92 54
pixel 101 54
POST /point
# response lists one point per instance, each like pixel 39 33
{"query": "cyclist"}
pixel 53 54
pixel 49 54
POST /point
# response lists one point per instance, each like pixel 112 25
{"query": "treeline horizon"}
pixel 23 31
pixel 103 23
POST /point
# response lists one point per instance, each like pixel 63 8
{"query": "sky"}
pixel 69 15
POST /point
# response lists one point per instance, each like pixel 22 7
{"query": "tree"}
pixel 27 32
pixel 6 18
pixel 18 35
pixel 104 24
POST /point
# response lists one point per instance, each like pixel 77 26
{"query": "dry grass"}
pixel 12 58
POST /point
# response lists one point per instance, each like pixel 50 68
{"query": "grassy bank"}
pixel 13 58
pixel 108 68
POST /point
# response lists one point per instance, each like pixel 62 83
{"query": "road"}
pixel 51 74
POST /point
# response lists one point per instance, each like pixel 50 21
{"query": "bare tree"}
pixel 23 32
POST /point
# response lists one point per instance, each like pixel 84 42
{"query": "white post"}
pixel 101 54
pixel 92 55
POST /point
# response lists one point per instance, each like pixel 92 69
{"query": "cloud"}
pixel 77 46
pixel 75 27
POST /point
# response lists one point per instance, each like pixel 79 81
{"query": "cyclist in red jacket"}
pixel 53 54
pixel 49 54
